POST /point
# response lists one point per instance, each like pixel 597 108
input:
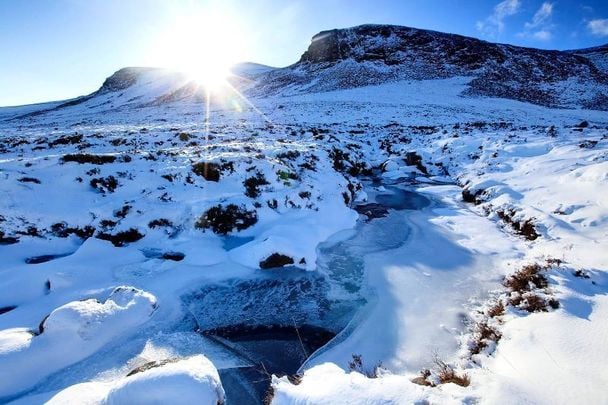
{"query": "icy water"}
pixel 277 321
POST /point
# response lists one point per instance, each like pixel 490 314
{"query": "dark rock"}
pixel 372 210
pixel 414 159
pixel 43 258
pixel 152 364
pixel 472 196
pixel 7 240
pixel 587 144
pixel 175 256
pixel 122 79
pixel 276 260
pixel 29 180
pixel 4 310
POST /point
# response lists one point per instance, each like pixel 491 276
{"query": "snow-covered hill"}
pixel 373 54
pixel 401 238
pixel 370 55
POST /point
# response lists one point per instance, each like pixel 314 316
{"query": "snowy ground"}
pixel 428 276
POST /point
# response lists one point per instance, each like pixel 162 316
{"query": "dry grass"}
pixel 447 374
pixel 527 278
pixel 483 335
pixel 498 309
pixel 356 364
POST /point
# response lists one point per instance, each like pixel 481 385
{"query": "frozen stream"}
pixel 274 322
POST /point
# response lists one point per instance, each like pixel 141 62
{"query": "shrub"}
pixel 338 157
pixel 107 223
pixel 252 185
pixel 289 155
pixel 524 228
pixel 82 158
pixel 29 180
pixel 286 176
pixel 497 309
pixel 209 171
pixel 356 364
pixel 304 194
pixel 524 286
pixel 7 240
pixel 121 238
pixel 160 222
pixel 122 213
pixel 484 334
pixel 183 136
pixel 62 230
pixel 526 278
pixel 67 140
pixel 446 374
pixel 223 220
pixel 105 184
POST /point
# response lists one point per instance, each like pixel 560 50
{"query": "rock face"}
pixel 122 79
pixel 598 55
pixel 374 54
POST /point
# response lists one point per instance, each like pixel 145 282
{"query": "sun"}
pixel 204 46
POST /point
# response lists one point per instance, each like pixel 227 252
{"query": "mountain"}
pixel 372 55
pixel 134 87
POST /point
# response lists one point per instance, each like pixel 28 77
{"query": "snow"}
pixel 328 383
pixel 70 333
pixel 183 381
pixel 425 273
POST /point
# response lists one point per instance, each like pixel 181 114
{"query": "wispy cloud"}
pixel 541 26
pixel 494 24
pixel 598 27
pixel 542 16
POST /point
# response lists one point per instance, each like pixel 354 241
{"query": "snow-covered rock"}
pixel 180 381
pixel 69 334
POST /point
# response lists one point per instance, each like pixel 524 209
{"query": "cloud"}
pixel 598 27
pixel 494 24
pixel 541 26
pixel 542 35
pixel 542 16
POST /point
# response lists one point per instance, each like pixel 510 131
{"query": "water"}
pixel 233 241
pixel 277 320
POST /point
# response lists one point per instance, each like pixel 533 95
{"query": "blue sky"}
pixel 59 49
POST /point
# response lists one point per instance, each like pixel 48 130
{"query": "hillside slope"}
pixel 373 54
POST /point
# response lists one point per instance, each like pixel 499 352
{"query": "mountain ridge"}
pixel 372 54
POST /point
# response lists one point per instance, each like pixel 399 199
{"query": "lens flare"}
pixel 204 46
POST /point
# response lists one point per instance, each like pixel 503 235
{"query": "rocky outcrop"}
pixel 375 54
